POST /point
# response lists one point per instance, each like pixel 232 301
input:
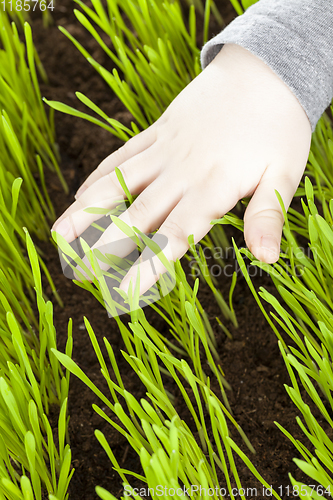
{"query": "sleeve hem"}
pixel 292 57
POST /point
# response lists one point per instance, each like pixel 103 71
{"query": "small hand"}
pixel 234 131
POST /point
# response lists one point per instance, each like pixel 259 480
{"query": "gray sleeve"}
pixel 294 38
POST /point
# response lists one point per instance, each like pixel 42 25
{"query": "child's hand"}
pixel 234 131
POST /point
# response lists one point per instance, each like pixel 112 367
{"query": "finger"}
pixel 263 219
pixel 105 193
pixel 187 218
pixel 146 213
pixel 134 146
pixel 75 223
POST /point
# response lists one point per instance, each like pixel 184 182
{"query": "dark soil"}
pixel 251 361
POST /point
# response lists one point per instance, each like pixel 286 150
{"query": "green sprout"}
pixel 20 98
pixel 153 357
pixel 31 379
pixel 152 427
pixel 304 282
pixel 158 61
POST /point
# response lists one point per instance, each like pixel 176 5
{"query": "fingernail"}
pixel 271 248
pixel 80 191
pixel 63 227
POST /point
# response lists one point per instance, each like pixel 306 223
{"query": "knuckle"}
pixel 101 170
pixel 114 182
pixel 174 230
pixel 81 202
pixel 271 213
pixel 138 211
pixel 122 152
pixel 117 157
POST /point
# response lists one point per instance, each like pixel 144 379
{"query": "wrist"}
pixel 250 74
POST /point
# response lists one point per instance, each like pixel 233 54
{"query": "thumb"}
pixel 263 219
